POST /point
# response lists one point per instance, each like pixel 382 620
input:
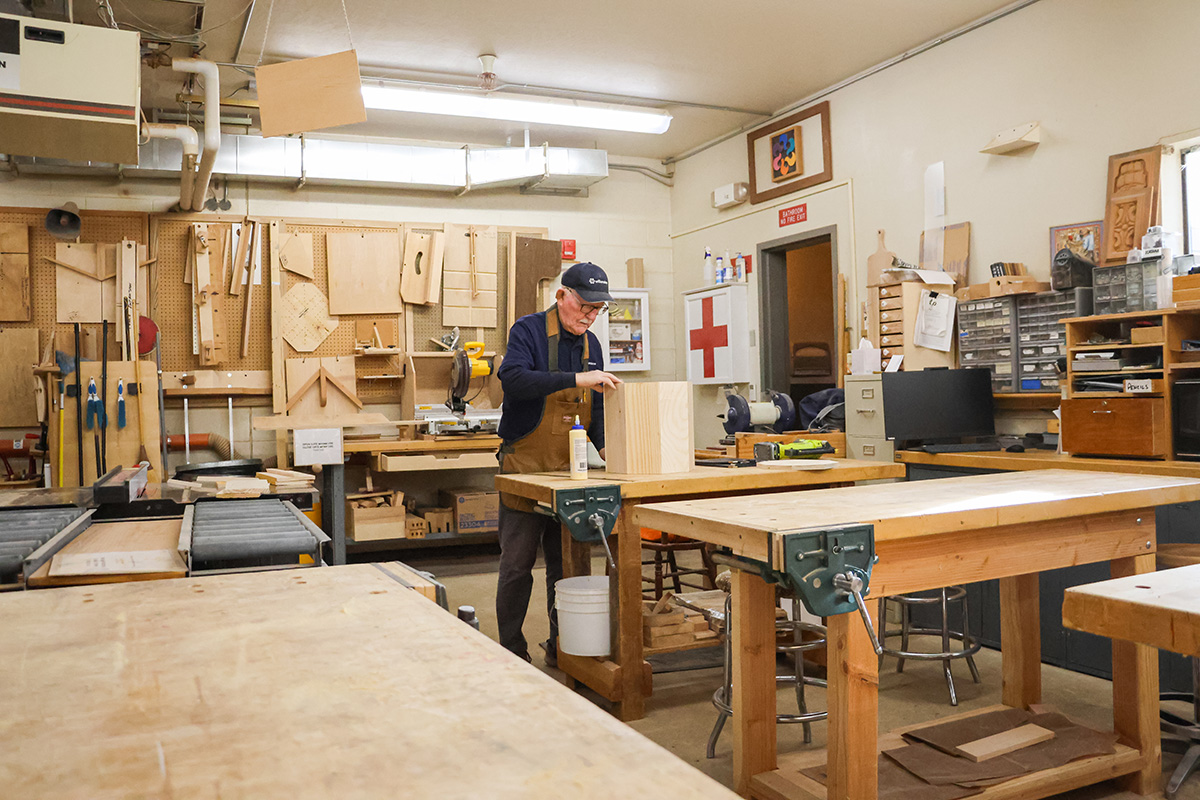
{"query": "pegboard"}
pixel 427 320
pixel 99 227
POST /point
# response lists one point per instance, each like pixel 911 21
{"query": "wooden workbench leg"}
pixel 627 610
pixel 1135 694
pixel 1020 641
pixel 753 678
pixel 577 556
pixel 853 702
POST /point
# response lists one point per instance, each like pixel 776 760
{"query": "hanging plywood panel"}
pixel 304 317
pixel 364 273
pixel 18 354
pixel 537 260
pixel 16 305
pixel 422 275
pixel 86 289
pixel 296 254
pixel 470 262
pixel 300 370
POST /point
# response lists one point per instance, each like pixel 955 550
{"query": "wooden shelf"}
pixel 449 354
pixel 1185 366
pixel 1086 348
pixel 1080 375
pixel 1026 401
pixel 696 645
pixel 1103 395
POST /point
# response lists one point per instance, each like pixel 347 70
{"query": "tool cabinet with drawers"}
pixel 891 322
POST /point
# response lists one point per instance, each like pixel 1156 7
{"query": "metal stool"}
pixel 943 597
pixel 796 648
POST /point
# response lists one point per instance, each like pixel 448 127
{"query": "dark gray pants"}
pixel 520 535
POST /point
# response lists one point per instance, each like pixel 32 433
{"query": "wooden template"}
pixel 18 354
pixel 242 234
pixel 296 254
pixel 364 273
pixel 308 394
pixel 106 552
pixel 1006 742
pixel 1131 201
pixel 206 296
pixel 217 382
pixel 421 279
pixel 537 260
pixel 16 305
pixel 309 94
pixel 305 318
pixel 127 296
pixel 469 276
pixel 377 332
pixel 278 384
pixel 648 428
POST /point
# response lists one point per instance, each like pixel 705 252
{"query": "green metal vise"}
pixel 589 512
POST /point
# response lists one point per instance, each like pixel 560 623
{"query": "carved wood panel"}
pixel 1131 201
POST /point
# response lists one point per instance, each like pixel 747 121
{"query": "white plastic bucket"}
pixel 582 605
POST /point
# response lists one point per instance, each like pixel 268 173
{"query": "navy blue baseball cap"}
pixel 589 281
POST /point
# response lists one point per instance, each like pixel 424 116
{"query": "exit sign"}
pixel 794 214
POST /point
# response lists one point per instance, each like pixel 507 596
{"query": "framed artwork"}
pixel 770 152
pixel 1083 238
pixel 787 155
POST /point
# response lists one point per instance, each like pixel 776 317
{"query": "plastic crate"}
pixel 1041 338
pixel 988 337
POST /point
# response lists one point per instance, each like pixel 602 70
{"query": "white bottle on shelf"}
pixel 720 270
pixel 579 462
pixel 710 274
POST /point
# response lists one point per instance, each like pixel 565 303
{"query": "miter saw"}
pixel 457 415
pixel 777 413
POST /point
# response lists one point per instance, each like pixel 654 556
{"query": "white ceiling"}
pixel 757 55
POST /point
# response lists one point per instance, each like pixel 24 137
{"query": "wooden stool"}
pixel 942 597
pixel 664 547
pixel 1185 732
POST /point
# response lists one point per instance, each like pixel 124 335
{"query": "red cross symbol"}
pixel 708 337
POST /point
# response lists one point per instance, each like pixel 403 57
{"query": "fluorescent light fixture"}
pixel 517 108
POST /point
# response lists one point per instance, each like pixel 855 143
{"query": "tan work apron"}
pixel 547 448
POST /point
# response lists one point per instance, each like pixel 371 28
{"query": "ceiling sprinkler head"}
pixel 487 78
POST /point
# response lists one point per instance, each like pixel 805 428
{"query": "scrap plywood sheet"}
pixel 92 297
pixel 18 354
pixel 537 260
pixel 469 276
pixel 299 370
pixel 422 275
pixel 296 254
pixel 16 305
pixel 309 94
pixel 364 273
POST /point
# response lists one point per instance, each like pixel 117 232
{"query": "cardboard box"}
pixel 1151 334
pixel 415 528
pixel 1004 285
pixel 475 510
pixel 371 524
pixel 441 520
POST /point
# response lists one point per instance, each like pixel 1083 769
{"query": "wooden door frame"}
pixel 773 305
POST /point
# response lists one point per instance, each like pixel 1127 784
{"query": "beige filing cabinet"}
pixel 891 322
pixel 864 419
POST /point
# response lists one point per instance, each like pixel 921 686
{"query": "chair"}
pixel 796 647
pixel 811 359
pixel 664 547
pixel 942 597
pixel 1184 732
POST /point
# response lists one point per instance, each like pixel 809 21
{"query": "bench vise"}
pixel 590 513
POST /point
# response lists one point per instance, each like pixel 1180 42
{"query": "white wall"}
pixel 1101 76
pixel 625 216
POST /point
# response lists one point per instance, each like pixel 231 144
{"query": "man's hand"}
pixel 596 379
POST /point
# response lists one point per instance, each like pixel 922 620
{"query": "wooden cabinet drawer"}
pixel 889 328
pixel 888 352
pixel 891 303
pixel 891 291
pixel 892 315
pixel 1119 426
pixel 893 340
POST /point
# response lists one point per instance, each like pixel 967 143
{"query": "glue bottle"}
pixel 579 442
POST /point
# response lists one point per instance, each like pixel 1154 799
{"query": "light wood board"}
pixel 305 318
pixel 113 539
pixel 296 254
pixel 309 94
pixel 648 428
pixel 421 280
pixel 469 276
pixel 299 370
pixel 246 683
pixel 18 354
pixel 16 305
pixel 537 260
pixel 1161 609
pixel 364 273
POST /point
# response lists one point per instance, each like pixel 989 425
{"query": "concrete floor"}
pixel 680 714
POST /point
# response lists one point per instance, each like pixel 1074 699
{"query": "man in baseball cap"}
pixel 588 281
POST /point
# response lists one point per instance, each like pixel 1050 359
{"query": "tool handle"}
pixel 121 411
pixel 91 413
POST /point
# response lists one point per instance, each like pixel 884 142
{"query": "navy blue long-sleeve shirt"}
pixel 527 380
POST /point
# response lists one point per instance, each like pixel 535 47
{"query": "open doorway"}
pixel 799 304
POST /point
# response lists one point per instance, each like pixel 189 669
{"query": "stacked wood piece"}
pixel 285 480
pixel 666 625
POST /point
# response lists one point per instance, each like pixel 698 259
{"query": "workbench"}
pixel 624 678
pixel 1161 610
pixel 1003 461
pixel 338 682
pixel 927 535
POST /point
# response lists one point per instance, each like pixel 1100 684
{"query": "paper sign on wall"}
pixel 318 446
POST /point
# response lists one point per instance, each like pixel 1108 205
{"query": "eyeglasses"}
pixel 589 308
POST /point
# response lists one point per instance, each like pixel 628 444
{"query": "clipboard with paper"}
pixel 935 320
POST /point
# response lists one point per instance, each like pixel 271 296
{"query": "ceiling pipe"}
pixel 191 148
pixel 212 125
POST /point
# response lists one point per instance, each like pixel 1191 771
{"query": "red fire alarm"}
pixel 568 248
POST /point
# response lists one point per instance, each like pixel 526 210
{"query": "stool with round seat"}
pixel 942 597
pixel 1183 734
pixel 796 646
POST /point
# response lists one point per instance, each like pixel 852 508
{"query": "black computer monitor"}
pixel 938 405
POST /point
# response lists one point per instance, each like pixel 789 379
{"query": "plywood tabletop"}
pixel 1161 609
pixel 917 508
pixel 541 486
pixel 1047 459
pixel 319 683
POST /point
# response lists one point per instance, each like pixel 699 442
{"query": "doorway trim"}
pixel 773 304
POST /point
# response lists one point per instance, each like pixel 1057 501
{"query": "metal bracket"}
pixel 814 558
pixel 589 512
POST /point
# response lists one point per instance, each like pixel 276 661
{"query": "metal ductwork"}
pixel 333 162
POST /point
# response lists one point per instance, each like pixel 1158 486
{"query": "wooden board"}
pixel 299 370
pixel 113 539
pixel 364 273
pixel 878 261
pixel 16 305
pixel 470 266
pixel 421 278
pixel 18 354
pixel 123 443
pixel 1161 609
pixel 218 382
pixel 296 254
pixel 648 428
pixel 1006 742
pixel 956 252
pixel 179 686
pixel 1131 201
pixel 304 316
pixel 282 423
pixel 309 94
pixel 537 260
pixel 126 296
